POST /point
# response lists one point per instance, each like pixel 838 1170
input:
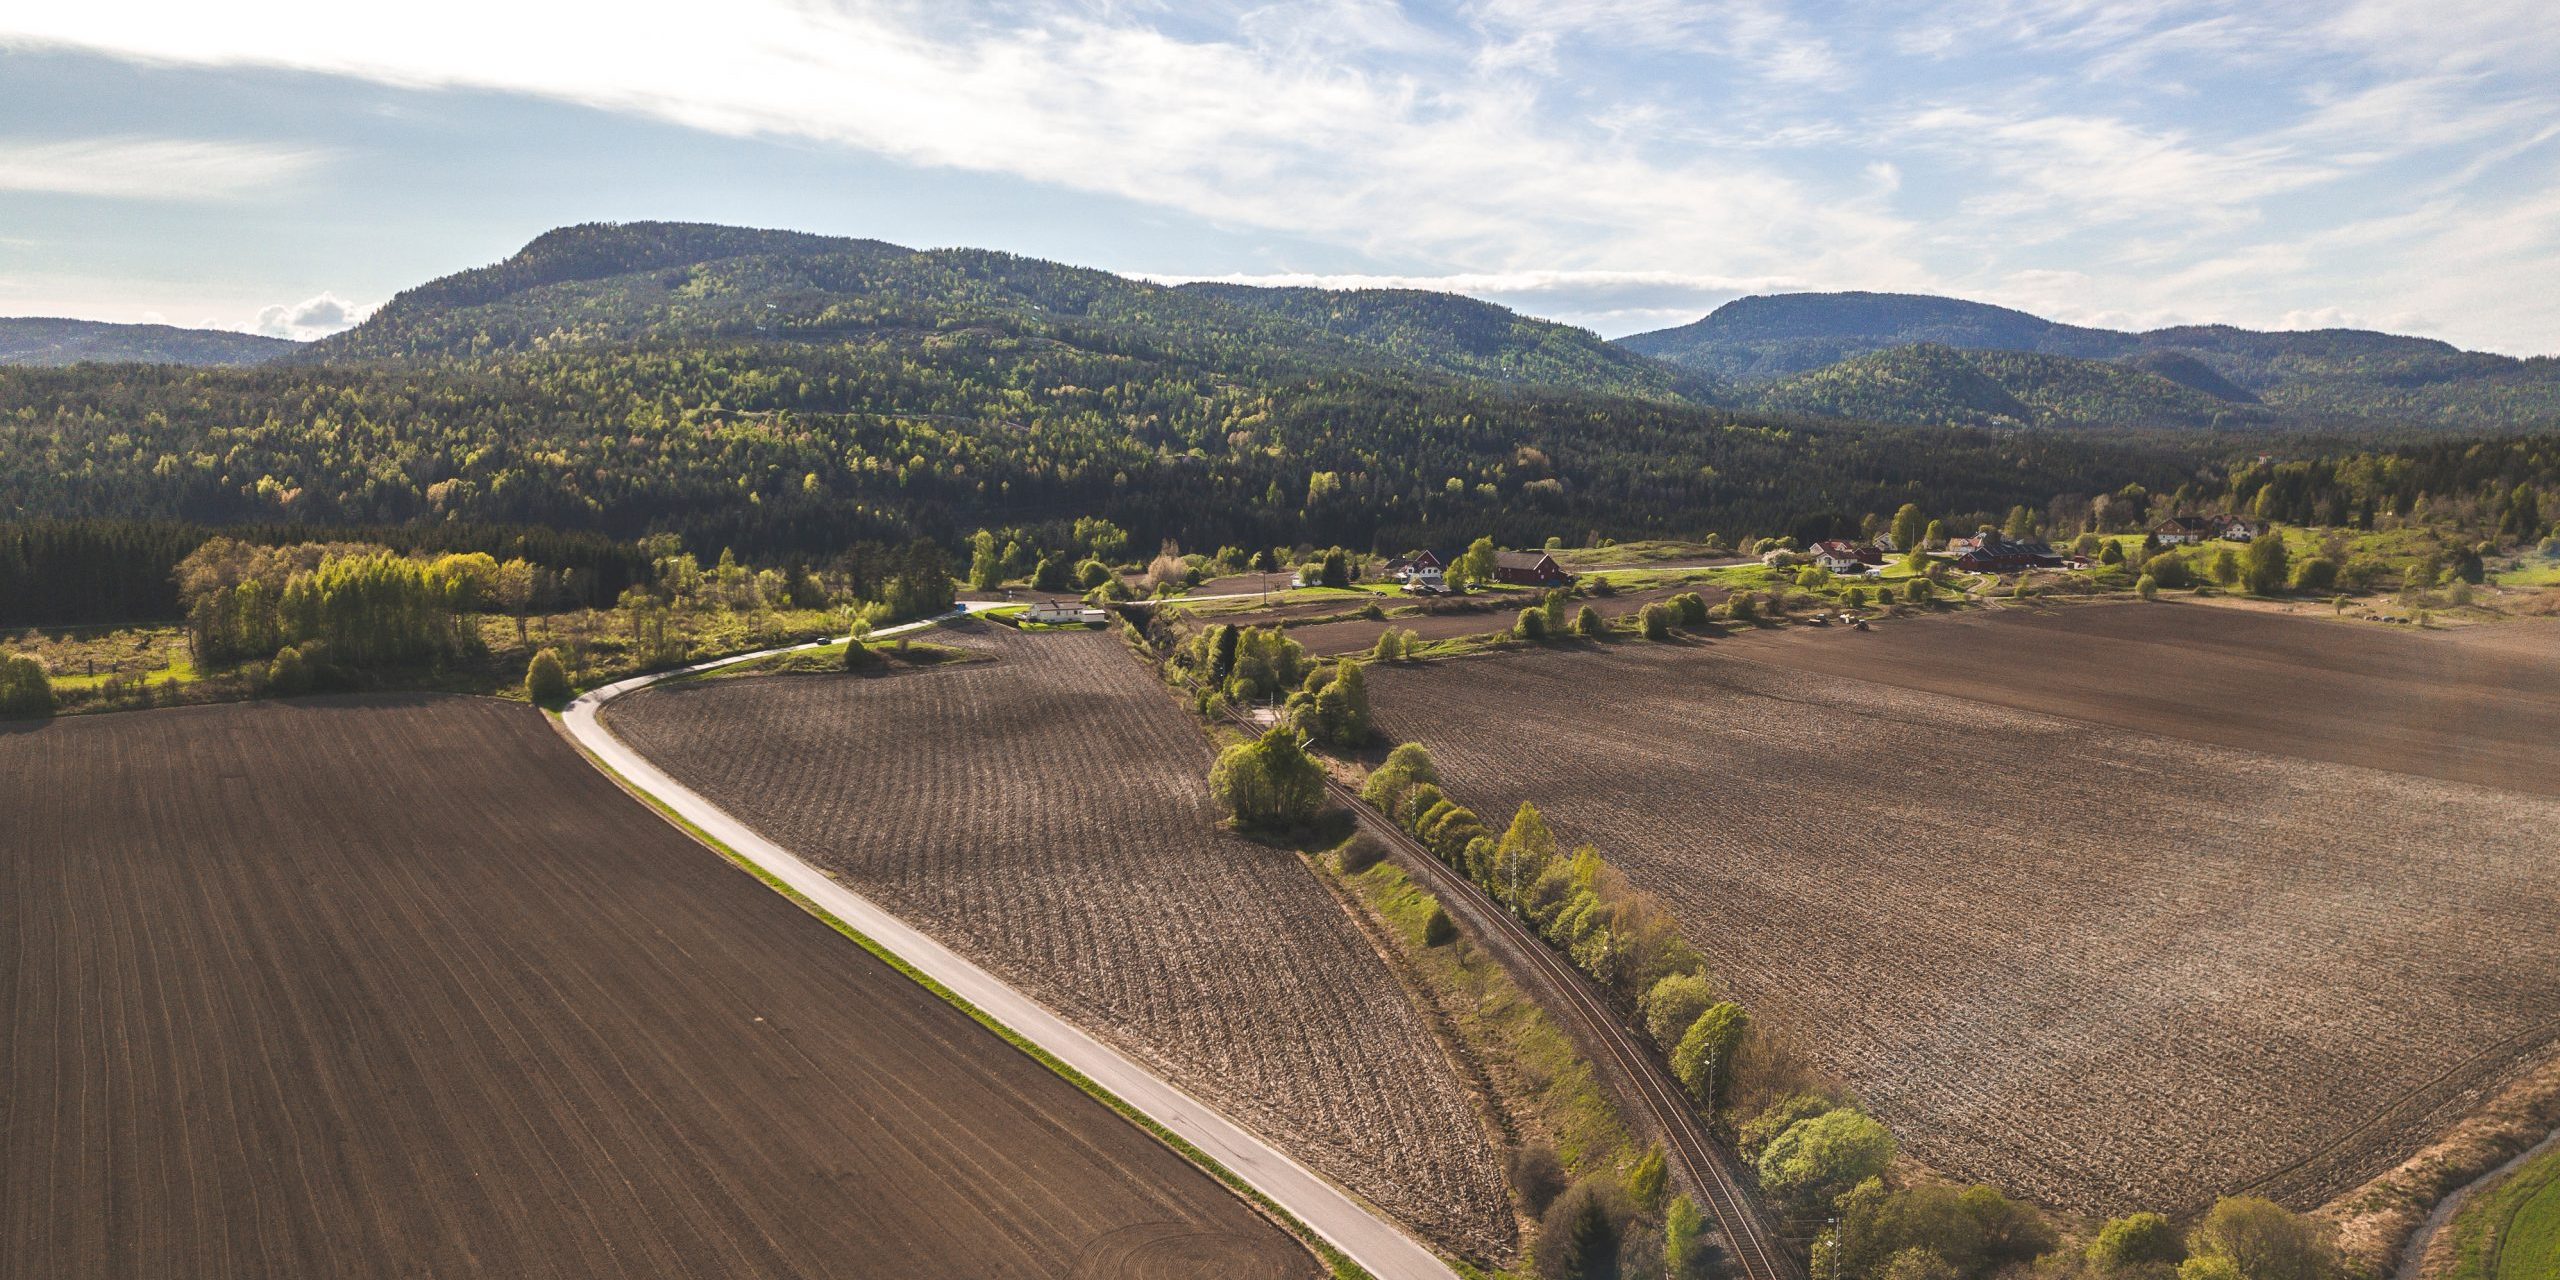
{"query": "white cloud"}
pixel 1456 165
pixel 1620 163
pixel 316 317
pixel 2102 170
pixel 134 168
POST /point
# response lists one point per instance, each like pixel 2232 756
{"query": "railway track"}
pixel 1695 1155
pixel 1695 1158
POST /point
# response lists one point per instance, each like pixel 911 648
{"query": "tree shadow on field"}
pixel 1325 831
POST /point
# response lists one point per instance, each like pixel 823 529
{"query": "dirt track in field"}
pixel 403 987
pixel 1047 815
pixel 2106 968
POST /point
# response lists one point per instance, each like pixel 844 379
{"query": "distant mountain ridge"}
pixel 1767 346
pixel 40 340
pixel 663 283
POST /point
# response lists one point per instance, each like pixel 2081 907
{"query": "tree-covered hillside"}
pixel 791 396
pixel 1929 384
pixel 26 340
pixel 799 448
pixel 682 283
pixel 1459 334
pixel 2318 378
pixel 1764 337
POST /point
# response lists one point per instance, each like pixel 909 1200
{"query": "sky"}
pixel 1619 164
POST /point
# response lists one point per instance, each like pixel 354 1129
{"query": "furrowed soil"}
pixel 1047 814
pixel 401 986
pixel 2110 969
pixel 2480 704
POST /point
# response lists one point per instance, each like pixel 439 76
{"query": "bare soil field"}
pixel 401 986
pixel 2480 704
pixel 2105 968
pixel 1047 814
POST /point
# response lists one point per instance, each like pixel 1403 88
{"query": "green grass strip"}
pixel 1341 1265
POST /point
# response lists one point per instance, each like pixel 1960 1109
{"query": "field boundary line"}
pixel 1346 1236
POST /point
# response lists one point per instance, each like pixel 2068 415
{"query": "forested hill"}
pixel 2316 378
pixel 1455 333
pixel 1926 382
pixel 790 395
pixel 668 284
pixel 28 340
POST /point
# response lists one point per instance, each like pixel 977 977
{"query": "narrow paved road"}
pixel 1386 1251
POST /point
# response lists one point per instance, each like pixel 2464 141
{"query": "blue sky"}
pixel 1621 164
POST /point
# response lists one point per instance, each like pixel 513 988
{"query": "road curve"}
pixel 1386 1251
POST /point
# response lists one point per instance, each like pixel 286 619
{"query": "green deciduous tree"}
pixel 1647 1181
pixel 1405 768
pixel 2140 1239
pixel 1909 527
pixel 1916 1264
pixel 986 561
pixel 1270 782
pixel 1759 1131
pixel 1673 1004
pixel 2267 569
pixel 1704 1057
pixel 2264 1240
pixel 1817 1159
pixel 1334 707
pixel 1655 621
pixel 1687 1253
pixel 26 689
pixel 546 681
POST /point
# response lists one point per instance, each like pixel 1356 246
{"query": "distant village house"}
pixel 1418 571
pixel 2179 531
pixel 1993 553
pixel 1529 569
pixel 1060 612
pixel 1841 556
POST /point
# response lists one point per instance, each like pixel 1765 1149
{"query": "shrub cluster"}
pixel 1270 783
pixel 1623 939
pixel 26 688
pixel 1243 664
pixel 546 680
pixel 1333 706
pixel 1396 644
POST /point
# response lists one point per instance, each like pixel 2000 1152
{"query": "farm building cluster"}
pixel 1425 573
pixel 1992 552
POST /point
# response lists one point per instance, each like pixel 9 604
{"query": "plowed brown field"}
pixel 2480 704
pixel 2107 968
pixel 1047 814
pixel 403 987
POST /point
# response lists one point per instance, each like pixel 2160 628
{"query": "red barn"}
pixel 1529 569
